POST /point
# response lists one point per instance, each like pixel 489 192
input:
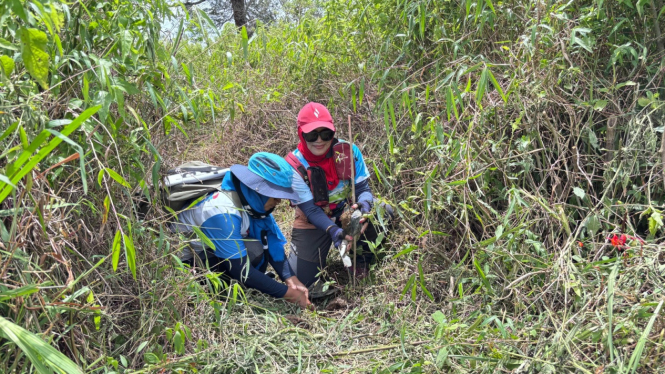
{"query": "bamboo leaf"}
pixel 483 277
pixel 38 352
pixel 610 308
pixel 115 250
pixel 421 276
pixel 81 157
pixel 244 41
pixel 489 4
pixel 9 131
pixel 5 188
pixel 639 348
pixel 130 253
pixel 204 238
pixel 21 291
pixel 482 86
pixel 117 177
pixel 497 86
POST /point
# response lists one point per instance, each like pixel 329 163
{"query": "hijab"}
pixel 325 161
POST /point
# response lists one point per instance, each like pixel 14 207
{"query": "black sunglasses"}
pixel 310 137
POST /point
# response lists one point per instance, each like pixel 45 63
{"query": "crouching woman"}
pixel 246 238
pixel 322 178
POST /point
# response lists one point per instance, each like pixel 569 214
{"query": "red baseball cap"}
pixel 314 115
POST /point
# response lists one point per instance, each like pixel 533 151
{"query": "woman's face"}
pixel 271 203
pixel 319 147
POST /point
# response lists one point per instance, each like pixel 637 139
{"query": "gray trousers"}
pixel 310 248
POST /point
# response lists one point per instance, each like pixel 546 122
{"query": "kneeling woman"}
pixel 239 223
pixel 320 178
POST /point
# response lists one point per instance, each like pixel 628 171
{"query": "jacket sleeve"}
pixel 242 271
pixel 363 193
pixel 315 215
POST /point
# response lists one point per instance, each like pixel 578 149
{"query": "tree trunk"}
pixel 239 12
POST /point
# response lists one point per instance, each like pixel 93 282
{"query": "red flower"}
pixel 618 241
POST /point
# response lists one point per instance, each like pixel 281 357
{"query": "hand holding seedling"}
pixel 360 210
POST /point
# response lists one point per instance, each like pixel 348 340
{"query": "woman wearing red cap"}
pixel 323 191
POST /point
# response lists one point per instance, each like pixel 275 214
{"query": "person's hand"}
pixel 297 293
pixel 364 206
pixel 295 282
pixel 337 235
pixel 364 209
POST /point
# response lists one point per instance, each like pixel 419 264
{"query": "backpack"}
pixel 190 181
pixel 315 177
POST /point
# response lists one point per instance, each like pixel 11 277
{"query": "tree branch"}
pixel 194 3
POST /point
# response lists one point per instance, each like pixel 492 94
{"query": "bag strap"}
pixel 300 168
pixel 245 205
pixel 233 196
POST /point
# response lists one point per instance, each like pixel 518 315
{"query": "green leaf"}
pixel 655 222
pixel 489 4
pixel 600 105
pixel 408 285
pixel 593 139
pixel 204 238
pixel 21 291
pixel 421 276
pixel 115 250
pixel 482 85
pixel 441 357
pixel 130 253
pixel 244 41
pixel 34 54
pixel 178 342
pixel 438 317
pixel 19 170
pixel 450 103
pixel 579 192
pixel 141 346
pixel 643 101
pixel 37 350
pixel 496 85
pixel 486 283
pixel 117 177
pixel 4 179
pixel 634 362
pixel 84 177
pixel 6 65
pixel 408 249
pixel 4 43
pixel 593 224
pixel 86 88
pixel 9 131
pixel 17 7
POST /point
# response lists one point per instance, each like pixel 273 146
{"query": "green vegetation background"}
pixel 514 138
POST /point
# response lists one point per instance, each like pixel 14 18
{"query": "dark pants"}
pixel 221 265
pixel 310 247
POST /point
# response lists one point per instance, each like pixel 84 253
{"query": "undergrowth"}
pixel 518 142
